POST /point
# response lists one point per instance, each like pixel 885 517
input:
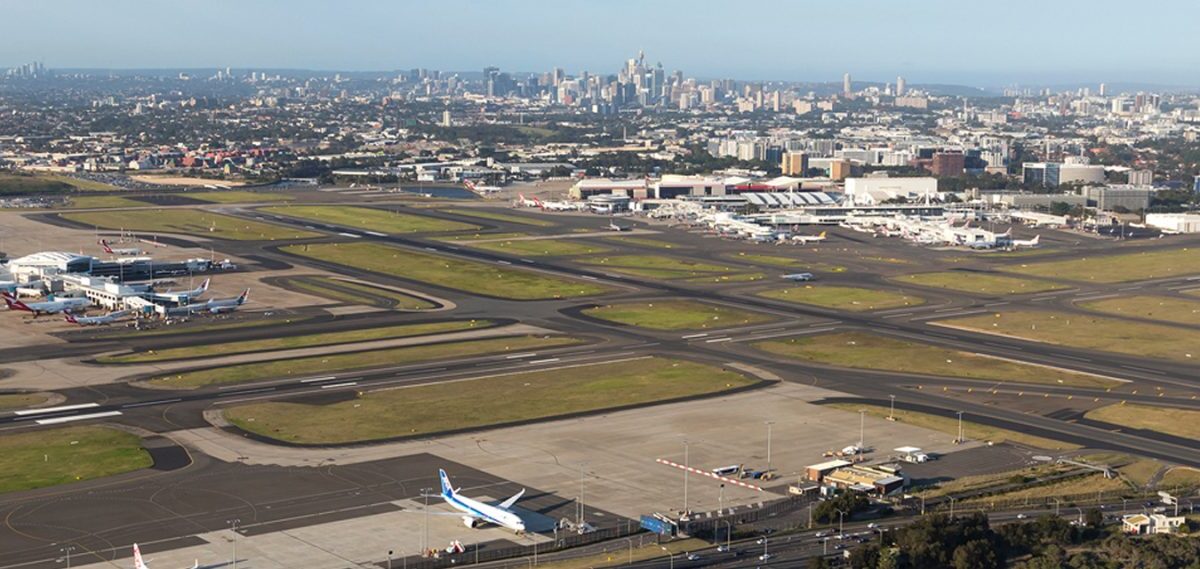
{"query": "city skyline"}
pixel 940 43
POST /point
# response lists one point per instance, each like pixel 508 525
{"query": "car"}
pixel 764 557
pixel 722 549
pixel 820 534
pixel 872 525
pixel 761 540
pixel 1021 516
pixel 693 557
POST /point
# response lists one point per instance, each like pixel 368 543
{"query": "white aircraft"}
pixel 96 320
pixel 119 251
pixel 557 206
pixel 49 307
pixel 480 189
pixel 182 295
pixel 612 226
pixel 214 306
pixel 478 512
pixel 1031 243
pixel 798 277
pixel 527 202
pixel 139 563
pixel 804 239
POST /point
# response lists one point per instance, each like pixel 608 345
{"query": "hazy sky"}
pixel 961 41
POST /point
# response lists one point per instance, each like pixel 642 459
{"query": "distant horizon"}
pixel 926 41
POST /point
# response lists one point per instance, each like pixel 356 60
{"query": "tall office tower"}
pixel 1103 90
pixel 900 86
pixel 846 84
pixel 794 163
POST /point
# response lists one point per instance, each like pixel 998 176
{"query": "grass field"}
pixel 300 367
pixel 428 409
pixel 292 342
pixel 1163 308
pixel 189 221
pixel 36 459
pixel 540 247
pixel 676 315
pixel 356 293
pixel 97 202
pixel 370 219
pixel 25 184
pixel 81 184
pixel 1170 420
pixel 478 237
pixel 646 242
pixel 1180 476
pixel 1119 268
pixel 658 266
pixel 21 400
pixel 871 351
pixel 472 276
pixel 981 481
pixel 978 283
pixel 853 299
pixel 239 196
pixel 949 425
pixel 1085 486
pixel 788 262
pixel 1095 333
pixel 497 216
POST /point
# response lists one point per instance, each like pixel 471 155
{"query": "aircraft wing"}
pixel 507 504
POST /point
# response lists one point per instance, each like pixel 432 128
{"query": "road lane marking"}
pixel 146 403
pixel 58 420
pixel 56 409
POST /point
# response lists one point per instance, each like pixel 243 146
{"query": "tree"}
pixel 1060 208
pixel 976 554
pixel 818 563
pixel 1094 518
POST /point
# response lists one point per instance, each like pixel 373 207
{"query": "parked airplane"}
pixel 119 251
pixel 799 277
pixel 527 202
pixel 214 306
pixel 182 295
pixel 139 563
pixel 478 512
pixel 95 320
pixel 804 239
pixel 48 307
pixel 1031 243
pixel 480 189
pixel 558 206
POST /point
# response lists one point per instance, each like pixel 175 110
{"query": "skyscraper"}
pixel 846 85
pixel 1103 89
pixel 900 86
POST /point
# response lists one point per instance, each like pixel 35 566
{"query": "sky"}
pixel 968 42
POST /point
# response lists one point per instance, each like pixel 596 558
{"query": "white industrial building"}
pixel 871 191
pixel 1174 222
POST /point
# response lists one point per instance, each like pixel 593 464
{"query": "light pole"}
pixel 728 535
pixel 841 522
pixel 952 506
pixel 389 559
pixel 892 409
pixel 862 421
pixel 687 467
pixel 581 465
pixel 425 537
pixel 67 550
pixel 961 439
pixel 630 541
pixel 769 423
pixel 672 555
pixel 233 525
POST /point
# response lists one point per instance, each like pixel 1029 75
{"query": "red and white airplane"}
pixel 96 320
pixel 120 251
pixel 48 307
pixel 139 563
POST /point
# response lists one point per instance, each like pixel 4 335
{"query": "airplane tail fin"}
pixel 822 235
pixel 1036 238
pixel 447 488
pixel 244 296
pixel 138 562
pixel 16 304
pixel 70 318
pixel 107 248
pixel 204 285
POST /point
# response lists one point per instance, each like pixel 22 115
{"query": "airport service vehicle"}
pixel 119 251
pixel 96 320
pixel 214 306
pixel 612 226
pixel 798 277
pixel 182 296
pixel 806 239
pixel 53 306
pixel 478 513
pixel 139 563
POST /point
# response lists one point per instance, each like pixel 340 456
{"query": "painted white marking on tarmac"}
pixel 354 235
pixel 901 315
pixel 56 409
pixel 316 379
pixel 375 233
pixel 503 262
pixel 715 340
pixel 690 336
pixel 345 384
pixel 546 361
pixel 246 392
pixel 516 356
pixel 146 403
pixel 588 277
pixel 58 420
